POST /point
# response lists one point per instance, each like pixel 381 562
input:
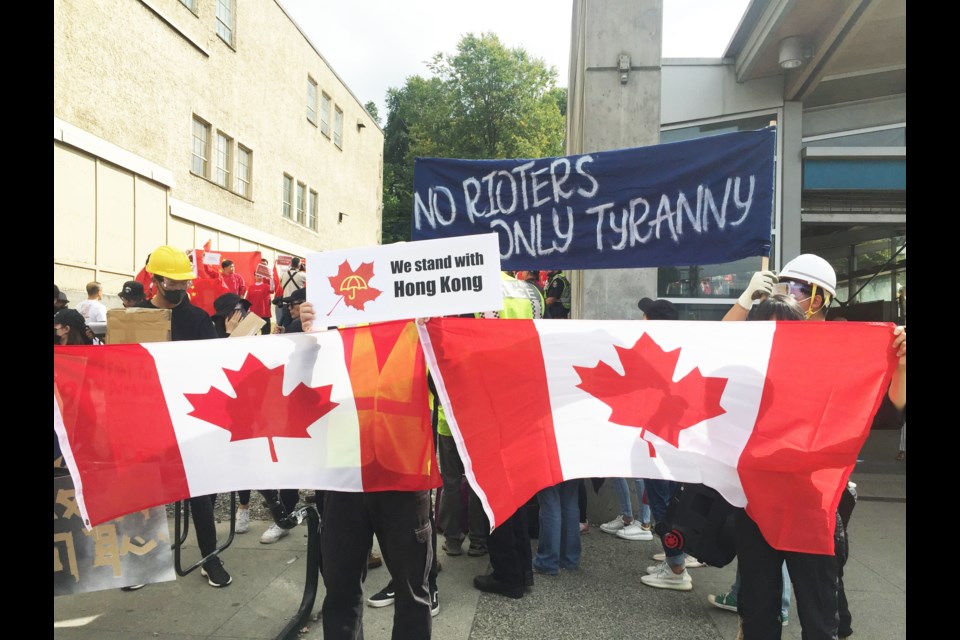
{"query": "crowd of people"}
pixel 802 291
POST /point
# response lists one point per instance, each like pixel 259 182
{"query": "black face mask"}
pixel 173 297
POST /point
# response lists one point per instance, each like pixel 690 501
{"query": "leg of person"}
pixel 584 524
pixel 267 326
pixel 638 528
pixel 346 536
pixel 785 599
pixel 841 553
pixel 205 525
pixel 242 524
pixel 401 521
pixel 761 581
pixel 506 577
pixel 814 578
pixel 548 544
pixel 479 525
pixel 570 543
pixel 625 516
pixel 451 471
pixel 521 540
pixel 728 601
pixel 274 532
pixel 643 500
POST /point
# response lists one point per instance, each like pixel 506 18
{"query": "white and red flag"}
pixel 770 414
pixel 143 425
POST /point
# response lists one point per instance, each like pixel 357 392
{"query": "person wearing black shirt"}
pixel 172 276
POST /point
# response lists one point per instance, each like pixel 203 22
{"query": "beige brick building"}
pixel 182 121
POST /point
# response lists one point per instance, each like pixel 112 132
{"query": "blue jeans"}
pixel 659 494
pixel 626 503
pixel 784 599
pixel 559 542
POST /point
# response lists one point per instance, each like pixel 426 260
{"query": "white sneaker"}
pixel 273 534
pixel 665 578
pixel 635 531
pixel 614 525
pixel 689 562
pixel 243 521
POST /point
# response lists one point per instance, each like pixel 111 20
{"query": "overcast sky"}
pixel 374 45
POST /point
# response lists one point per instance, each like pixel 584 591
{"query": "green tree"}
pixel 371 108
pixel 486 101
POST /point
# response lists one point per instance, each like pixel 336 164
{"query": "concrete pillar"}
pixel 620 61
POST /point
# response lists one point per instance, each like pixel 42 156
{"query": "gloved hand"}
pixel 761 283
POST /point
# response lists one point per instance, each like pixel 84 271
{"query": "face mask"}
pixel 173 297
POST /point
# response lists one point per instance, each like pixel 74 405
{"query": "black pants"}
pixel 288 497
pixel 204 523
pixel 814 578
pixel 401 522
pixel 509 547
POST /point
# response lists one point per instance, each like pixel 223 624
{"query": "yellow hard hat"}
pixel 170 263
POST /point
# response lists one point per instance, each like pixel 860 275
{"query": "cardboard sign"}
pixel 406 280
pixel 136 325
pixel 251 325
pixel 134 549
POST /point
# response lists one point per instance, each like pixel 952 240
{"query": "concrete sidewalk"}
pixel 603 600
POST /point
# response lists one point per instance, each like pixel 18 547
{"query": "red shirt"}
pixel 259 297
pixel 234 283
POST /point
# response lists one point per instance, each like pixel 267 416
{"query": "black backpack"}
pixel 700 523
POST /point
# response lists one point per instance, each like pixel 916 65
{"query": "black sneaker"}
pixel 434 602
pixel 477 550
pixel 382 598
pixel 133 587
pixel 215 574
pixel 490 584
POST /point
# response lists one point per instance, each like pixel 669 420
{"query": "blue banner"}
pixel 696 202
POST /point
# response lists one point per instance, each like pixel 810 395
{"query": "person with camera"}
pixel 294 279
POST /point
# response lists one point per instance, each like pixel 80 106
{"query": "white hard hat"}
pixel 813 269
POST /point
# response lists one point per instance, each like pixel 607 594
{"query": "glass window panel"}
pixel 225 20
pixel 287 197
pixel 301 202
pixel 312 211
pixel 325 114
pixel 311 100
pixel 244 168
pixel 338 128
pixel 222 176
pixel 201 147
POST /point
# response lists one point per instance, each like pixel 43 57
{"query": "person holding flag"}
pixel 171 276
pixel 816 578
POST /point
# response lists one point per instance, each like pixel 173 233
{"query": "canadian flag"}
pixel 770 414
pixel 149 424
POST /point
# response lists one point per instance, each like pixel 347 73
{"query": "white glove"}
pixel 760 284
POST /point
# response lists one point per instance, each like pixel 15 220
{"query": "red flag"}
pixel 770 414
pixel 145 425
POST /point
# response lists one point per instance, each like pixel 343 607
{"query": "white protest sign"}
pixel 211 258
pixel 405 280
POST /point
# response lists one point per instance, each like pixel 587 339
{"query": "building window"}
pixel 325 115
pixel 224 159
pixel 301 202
pixel 287 196
pixel 201 147
pixel 190 4
pixel 311 100
pixel 338 128
pixel 244 170
pixel 225 20
pixel 312 210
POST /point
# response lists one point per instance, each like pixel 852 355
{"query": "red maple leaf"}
pixel 646 396
pixel 353 286
pixel 260 409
